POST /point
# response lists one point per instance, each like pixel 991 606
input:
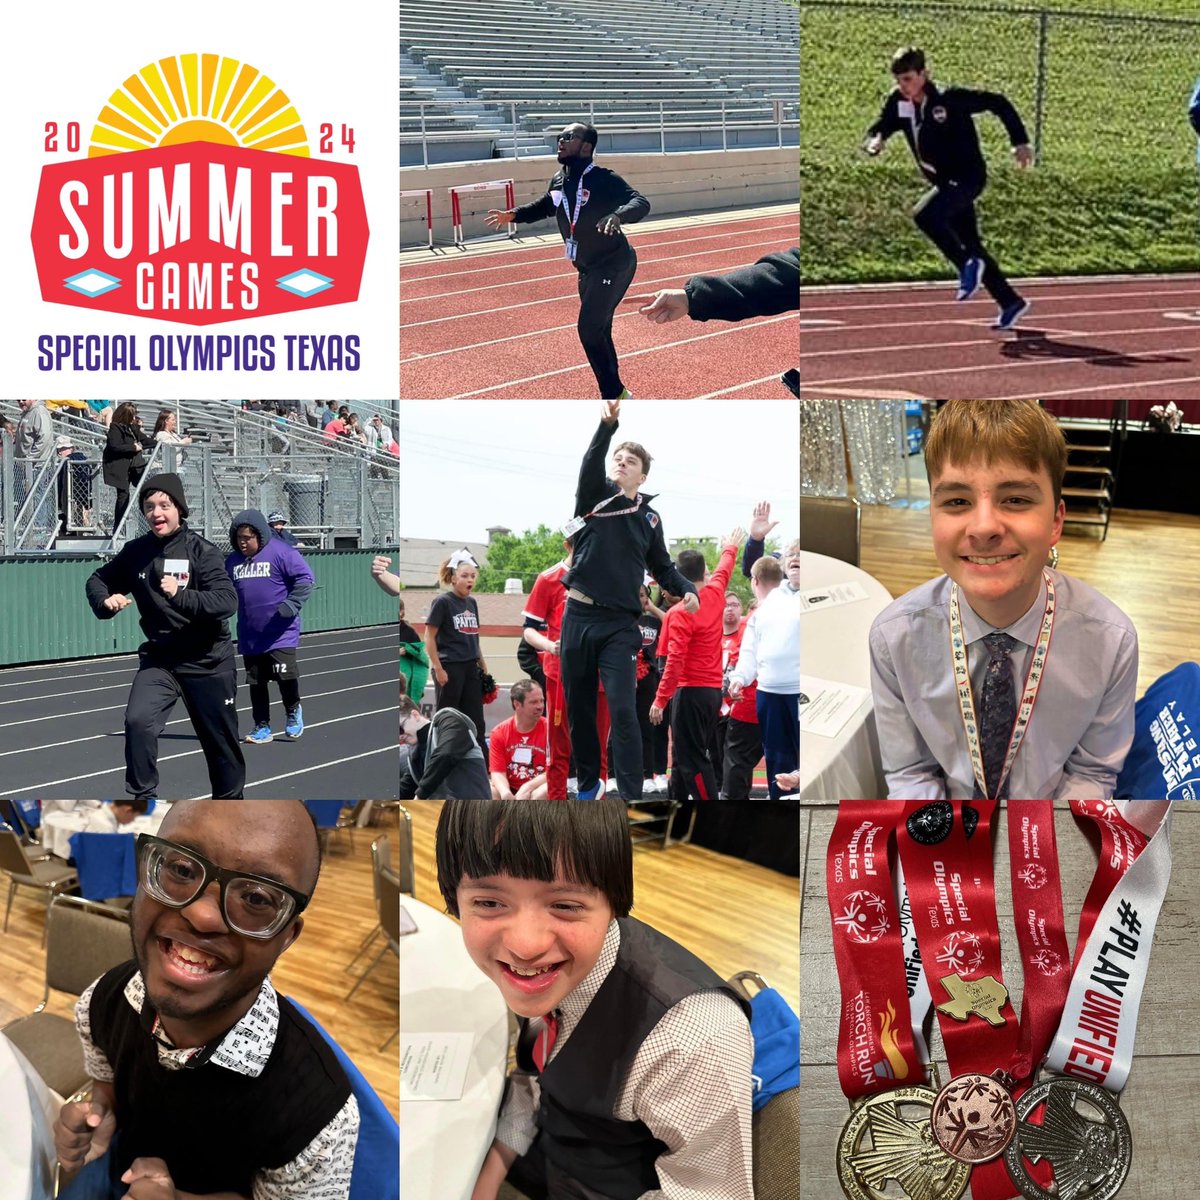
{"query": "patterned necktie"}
pixel 997 711
pixel 544 1042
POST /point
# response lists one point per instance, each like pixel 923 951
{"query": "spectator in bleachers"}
pixel 74 484
pixel 335 428
pixel 101 411
pixel 517 748
pixel 354 430
pixel 445 759
pixel 379 436
pixel 591 204
pixel 33 442
pixel 123 458
pixel 279 529
pixel 164 431
pixel 329 413
pixel 770 654
pixel 273 583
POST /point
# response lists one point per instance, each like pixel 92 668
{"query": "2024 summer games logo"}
pixel 199 201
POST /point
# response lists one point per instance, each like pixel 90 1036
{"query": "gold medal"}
pixel 888 1139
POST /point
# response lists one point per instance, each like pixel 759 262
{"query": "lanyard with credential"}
pixel 571 246
pixel 962 683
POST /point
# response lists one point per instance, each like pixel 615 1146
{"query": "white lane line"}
pixel 179 720
pixel 741 328
pixel 1127 386
pixel 554 257
pixel 33 789
pixel 94 675
pixel 334 763
pixel 737 387
pixel 1039 297
pixel 559 280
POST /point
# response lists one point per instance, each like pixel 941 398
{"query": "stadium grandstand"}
pixel 683 75
pixel 336 493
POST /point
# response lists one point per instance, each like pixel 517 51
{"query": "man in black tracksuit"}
pixel 940 130
pixel 184 599
pixel 618 537
pixel 591 203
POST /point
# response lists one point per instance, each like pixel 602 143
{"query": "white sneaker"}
pixel 572 785
pixel 660 784
pixel 649 787
pixel 611 786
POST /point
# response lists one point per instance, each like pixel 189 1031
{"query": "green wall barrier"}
pixel 47 617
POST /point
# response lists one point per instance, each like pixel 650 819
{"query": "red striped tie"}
pixel 545 1041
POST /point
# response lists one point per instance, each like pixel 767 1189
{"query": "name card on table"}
pixel 433 1066
pixel 831 595
pixel 825 707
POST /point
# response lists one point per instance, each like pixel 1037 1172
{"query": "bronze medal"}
pixel 888 1139
pixel 973 1119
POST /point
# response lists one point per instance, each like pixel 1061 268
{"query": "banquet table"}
pixel 26 1137
pixel 443 1142
pixel 833 647
pixel 58 825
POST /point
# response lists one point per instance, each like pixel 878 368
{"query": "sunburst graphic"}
pixel 198 98
pixel 963 951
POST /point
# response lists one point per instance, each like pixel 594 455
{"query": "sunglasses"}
pixel 568 137
pixel 252 905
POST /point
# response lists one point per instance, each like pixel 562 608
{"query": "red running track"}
pixel 1132 337
pixel 501 323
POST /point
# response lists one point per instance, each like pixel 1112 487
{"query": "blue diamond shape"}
pixel 287 283
pixel 75 283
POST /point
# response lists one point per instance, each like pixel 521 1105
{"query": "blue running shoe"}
pixel 295 722
pixel 261 736
pixel 968 278
pixel 590 794
pixel 1012 314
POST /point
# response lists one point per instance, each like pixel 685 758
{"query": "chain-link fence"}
pixel 1104 97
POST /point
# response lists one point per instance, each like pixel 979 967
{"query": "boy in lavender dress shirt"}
pixel 995 476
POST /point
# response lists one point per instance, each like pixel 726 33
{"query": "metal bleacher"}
pixel 500 82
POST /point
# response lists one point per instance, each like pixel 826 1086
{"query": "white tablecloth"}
pixel 26 1137
pixel 833 646
pixel 57 827
pixel 443 1142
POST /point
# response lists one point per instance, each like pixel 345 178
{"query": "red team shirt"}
pixel 746 709
pixel 521 756
pixel 546 600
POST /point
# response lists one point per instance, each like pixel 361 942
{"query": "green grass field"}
pixel 1115 188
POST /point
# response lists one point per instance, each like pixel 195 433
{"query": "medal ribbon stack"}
pixel 993 1124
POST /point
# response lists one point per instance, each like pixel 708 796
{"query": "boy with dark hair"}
pixel 940 130
pixel 184 599
pixel 273 583
pixel 445 760
pixel 972 697
pixel 634 1057
pixel 694 668
pixel 618 538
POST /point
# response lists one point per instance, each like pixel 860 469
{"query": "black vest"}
pixel 580 1138
pixel 214 1128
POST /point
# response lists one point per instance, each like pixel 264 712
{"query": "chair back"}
pixel 374 1176
pixel 106 862
pixel 408 870
pixel 381 856
pixel 12 852
pixel 830 527
pixel 325 812
pixel 389 906
pixel 82 943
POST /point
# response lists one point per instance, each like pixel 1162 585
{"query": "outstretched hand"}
pixel 761 523
pixel 610 410
pixel 667 305
pixel 734 538
pixel 500 216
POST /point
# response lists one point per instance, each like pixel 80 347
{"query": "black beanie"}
pixel 170 483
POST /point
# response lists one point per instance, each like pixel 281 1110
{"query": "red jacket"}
pixel 546 600
pixel 694 639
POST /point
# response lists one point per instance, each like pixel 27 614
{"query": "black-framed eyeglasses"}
pixel 568 137
pixel 252 905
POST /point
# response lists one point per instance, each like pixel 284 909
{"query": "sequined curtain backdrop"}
pixel 822 449
pixel 873 433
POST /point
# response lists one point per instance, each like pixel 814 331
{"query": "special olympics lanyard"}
pixel 579 198
pixel 962 683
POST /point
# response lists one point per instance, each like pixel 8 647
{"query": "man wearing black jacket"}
pixel 618 537
pixel 591 204
pixel 939 126
pixel 184 599
pixel 768 287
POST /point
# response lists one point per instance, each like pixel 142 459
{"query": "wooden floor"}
pixel 1159 1100
pixel 1138 568
pixel 312 971
pixel 734 915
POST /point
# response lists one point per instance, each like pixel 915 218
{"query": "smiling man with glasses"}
pixel 206 1082
pixel 591 204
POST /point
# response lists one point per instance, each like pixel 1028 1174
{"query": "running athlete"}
pixel 592 204
pixel 184 599
pixel 939 128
